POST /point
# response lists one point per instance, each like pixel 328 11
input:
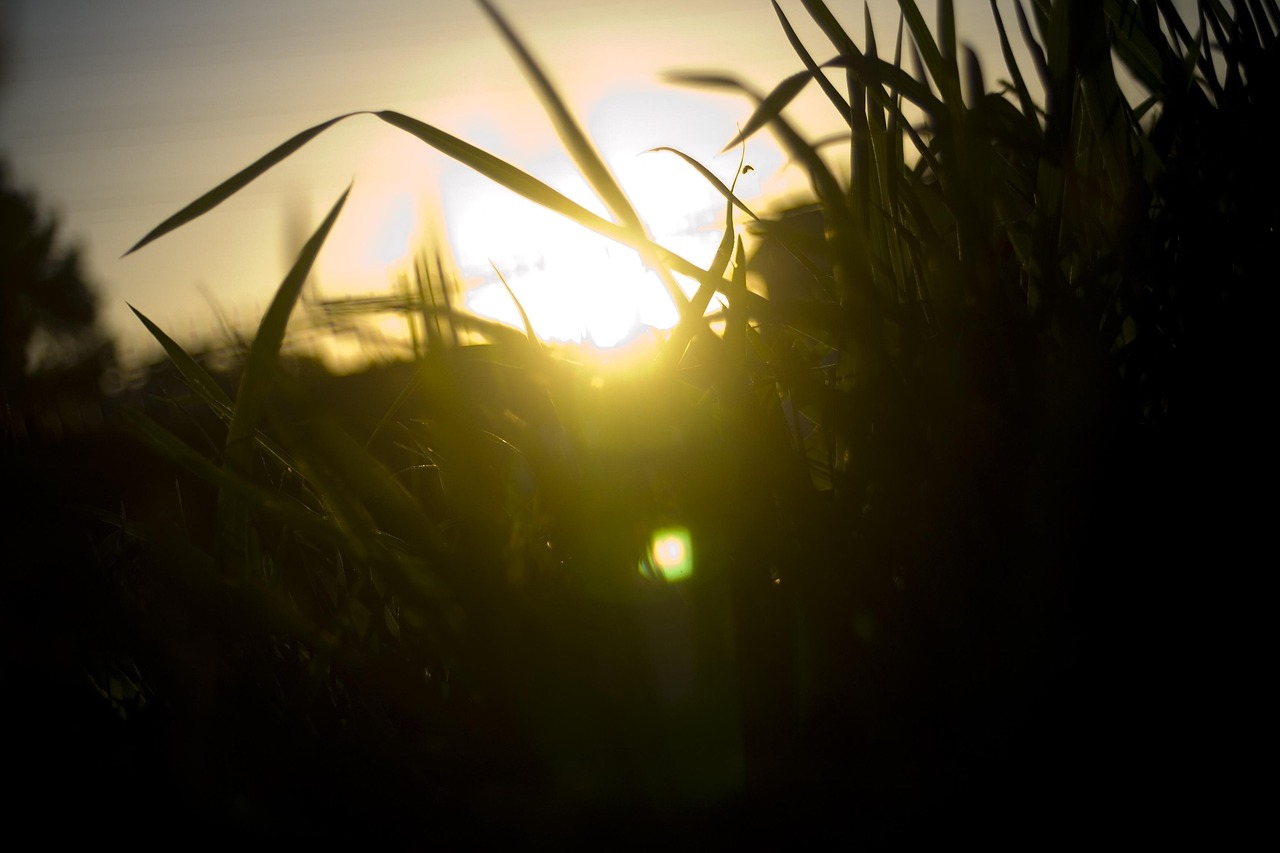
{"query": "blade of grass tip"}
pixel 196 377
pixel 204 385
pixel 973 77
pixel 524 317
pixel 1015 73
pixel 264 353
pixel 235 183
pixel 575 140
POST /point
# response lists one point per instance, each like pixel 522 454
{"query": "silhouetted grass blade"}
pixel 593 168
pixel 832 93
pixel 235 183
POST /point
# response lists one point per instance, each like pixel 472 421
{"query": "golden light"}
pixel 670 555
pixel 576 286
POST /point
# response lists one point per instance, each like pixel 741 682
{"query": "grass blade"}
pixel 196 377
pixel 710 178
pixel 235 183
pixel 1015 73
pixel 593 168
pixel 265 350
pixel 772 105
pixel 833 94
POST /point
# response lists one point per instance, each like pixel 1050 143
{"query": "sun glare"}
pixel 670 555
pixel 576 286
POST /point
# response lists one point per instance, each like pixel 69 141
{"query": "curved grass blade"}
pixel 235 183
pixel 824 181
pixel 196 377
pixel 1033 46
pixel 265 350
pixel 232 531
pixel 832 93
pixel 567 128
pixel 710 178
pixel 524 184
pixel 773 104
pixel 524 316
pixel 941 67
pixel 1019 84
pixel 199 380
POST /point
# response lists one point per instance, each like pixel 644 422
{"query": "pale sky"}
pixel 119 112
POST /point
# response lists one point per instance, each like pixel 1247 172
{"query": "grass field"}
pixel 914 543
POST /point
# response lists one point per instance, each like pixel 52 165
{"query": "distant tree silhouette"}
pixel 43 292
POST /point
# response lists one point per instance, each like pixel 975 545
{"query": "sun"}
pixel 576 286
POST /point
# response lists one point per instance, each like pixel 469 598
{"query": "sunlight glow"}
pixel 374 238
pixel 670 555
pixel 576 286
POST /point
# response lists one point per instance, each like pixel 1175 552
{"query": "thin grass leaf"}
pixel 524 184
pixel 199 380
pixel 824 181
pixel 947 34
pixel 773 103
pixel 593 168
pixel 196 377
pixel 524 317
pixel 235 183
pixel 1033 46
pixel 1011 63
pixel 828 88
pixel 710 178
pixel 259 369
pixel 876 73
pixel 973 76
pixel 830 27
pixel 942 68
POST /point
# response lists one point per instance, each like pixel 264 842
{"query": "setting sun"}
pixel 576 286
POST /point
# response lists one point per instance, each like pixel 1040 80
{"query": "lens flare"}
pixel 670 554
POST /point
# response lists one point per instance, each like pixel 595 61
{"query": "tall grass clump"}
pixel 922 472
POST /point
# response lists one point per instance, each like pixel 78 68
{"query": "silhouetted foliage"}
pixel 942 483
pixel 45 299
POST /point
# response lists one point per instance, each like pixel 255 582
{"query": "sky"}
pixel 116 113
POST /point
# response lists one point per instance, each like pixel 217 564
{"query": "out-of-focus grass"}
pixel 916 480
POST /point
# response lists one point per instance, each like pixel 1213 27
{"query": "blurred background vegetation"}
pixel 956 475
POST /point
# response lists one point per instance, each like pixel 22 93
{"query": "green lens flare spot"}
pixel 670 554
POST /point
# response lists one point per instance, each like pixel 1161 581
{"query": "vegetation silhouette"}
pixel 941 479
